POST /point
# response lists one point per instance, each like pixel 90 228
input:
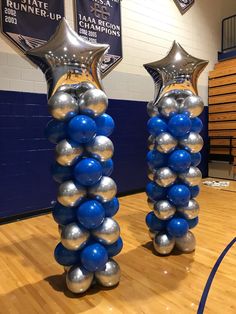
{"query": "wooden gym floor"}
pixel 32 282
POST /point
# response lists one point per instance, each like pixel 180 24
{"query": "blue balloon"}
pixel 177 227
pixel 94 257
pixel 197 125
pixel 91 214
pixel 88 171
pixel 155 192
pixel 61 173
pixel 66 257
pixel 64 215
pixel 179 194
pixel 179 125
pixel 156 159
pixel 111 207
pixel 196 159
pixel 156 125
pixel 179 160
pixel 154 223
pixel 115 248
pixel 192 222
pixel 194 190
pixel 55 131
pixel 81 129
pixel 107 167
pixel 105 124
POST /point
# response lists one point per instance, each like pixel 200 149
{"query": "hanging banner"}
pixel 99 21
pixel 184 5
pixel 30 23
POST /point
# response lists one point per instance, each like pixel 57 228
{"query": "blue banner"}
pixel 99 21
pixel 30 23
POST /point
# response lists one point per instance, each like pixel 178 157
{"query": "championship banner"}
pixel 99 21
pixel 30 23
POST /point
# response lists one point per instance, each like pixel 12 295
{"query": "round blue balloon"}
pixel 115 248
pixel 154 223
pixel 196 159
pixel 197 125
pixel 55 131
pixel 88 171
pixel 91 214
pixel 179 160
pixel 105 124
pixel 111 207
pixel 64 215
pixel 61 173
pixel 179 125
pixel 155 192
pixel 66 257
pixel 192 222
pixel 156 159
pixel 194 190
pixel 177 227
pixel 156 125
pixel 179 194
pixel 94 257
pixel 107 167
pixel 81 129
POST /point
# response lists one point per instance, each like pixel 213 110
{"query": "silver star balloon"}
pixel 178 70
pixel 68 59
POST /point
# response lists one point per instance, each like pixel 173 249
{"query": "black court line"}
pixel 211 277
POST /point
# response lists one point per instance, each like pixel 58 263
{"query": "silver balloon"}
pixel 190 211
pixel 179 95
pixel 193 105
pixel 108 232
pixel 61 105
pixel 163 243
pixel 66 154
pixel 193 142
pixel 167 106
pixel 151 174
pixel 164 210
pixel 150 203
pixel 152 110
pixel 74 237
pixel 104 190
pixel 78 279
pixel 192 177
pixel 101 147
pixel 166 143
pixel 151 142
pixel 152 234
pixel 70 194
pixel 94 102
pixel 76 89
pixel 165 176
pixel 110 276
pixel 186 243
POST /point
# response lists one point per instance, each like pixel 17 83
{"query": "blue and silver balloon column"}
pixel 174 151
pixel 86 201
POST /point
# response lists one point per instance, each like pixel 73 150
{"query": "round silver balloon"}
pixel 101 147
pixel 187 243
pixel 190 211
pixel 167 106
pixel 165 176
pixel 70 194
pixel 151 142
pixel 152 234
pixel 193 105
pixel 152 110
pixel 163 243
pixel 179 95
pixel 74 237
pixel 110 276
pixel 164 210
pixel 166 143
pixel 93 102
pixel 193 142
pixel 192 177
pixel 66 154
pixel 150 203
pixel 78 279
pixel 104 190
pixel 61 105
pixel 76 89
pixel 108 232
pixel 151 174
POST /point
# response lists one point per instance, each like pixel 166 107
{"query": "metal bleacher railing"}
pixel 228 33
